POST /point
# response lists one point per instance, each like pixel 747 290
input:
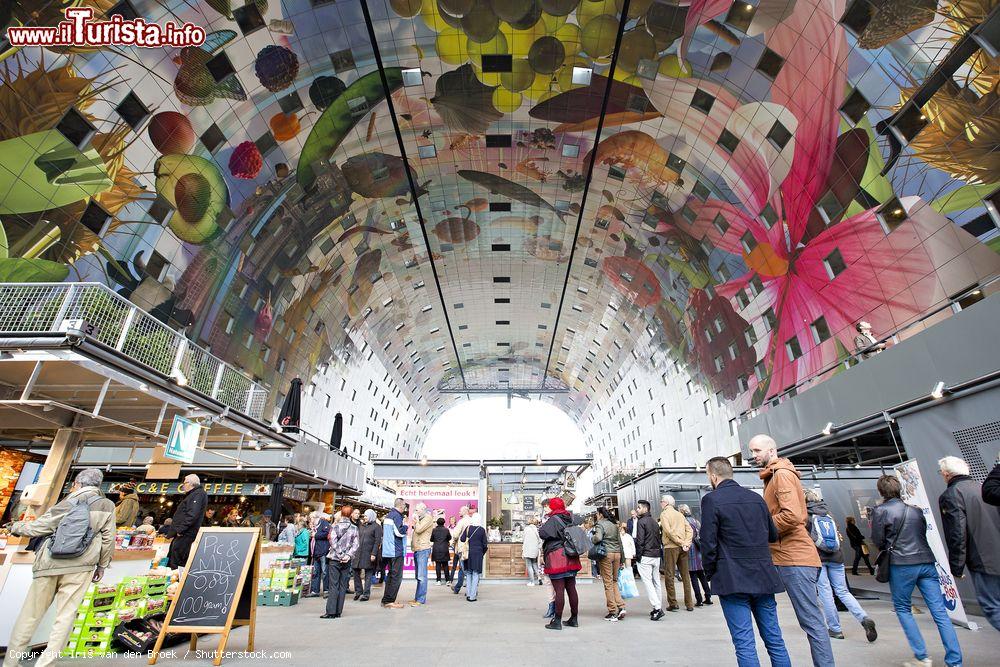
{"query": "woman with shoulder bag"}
pixel 474 537
pixel 900 533
pixel 560 568
pixel 607 540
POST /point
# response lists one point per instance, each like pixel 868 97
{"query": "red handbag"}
pixel 556 562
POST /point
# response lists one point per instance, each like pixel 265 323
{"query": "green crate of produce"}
pixel 93 649
pixel 90 618
pixel 282 598
pixel 152 606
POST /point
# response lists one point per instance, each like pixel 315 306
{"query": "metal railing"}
pixel 120 324
pixel 852 359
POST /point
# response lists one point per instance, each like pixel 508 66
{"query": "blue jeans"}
pixel 460 579
pixel 737 608
pixel 473 584
pixel 833 582
pixel 319 574
pixel 800 583
pixel 988 594
pixel 902 580
pixel 420 559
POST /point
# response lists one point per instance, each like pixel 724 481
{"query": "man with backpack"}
pixel 80 542
pixel 832 578
pixel 794 552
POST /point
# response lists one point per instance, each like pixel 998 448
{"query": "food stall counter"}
pixel 15 579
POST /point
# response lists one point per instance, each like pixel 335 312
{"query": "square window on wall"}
pixel 834 264
pixel 779 136
pixel 132 110
pixel 729 141
pixel 820 330
pixel 748 242
pixel 793 348
pixel 891 215
pixel 413 76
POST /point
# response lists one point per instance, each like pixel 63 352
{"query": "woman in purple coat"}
pixel 694 561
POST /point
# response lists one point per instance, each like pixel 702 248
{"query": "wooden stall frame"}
pixel 231 621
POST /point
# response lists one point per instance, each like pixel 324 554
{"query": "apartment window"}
pixel 704 404
pixel 820 330
pixel 699 442
pixel 793 348
pixel 680 424
pixel 770 319
pixel 748 242
pixel 834 264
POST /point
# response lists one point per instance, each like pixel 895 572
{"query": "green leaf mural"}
pixel 20 270
pixel 960 199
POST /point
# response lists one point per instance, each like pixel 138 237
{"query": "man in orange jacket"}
pixel 794 554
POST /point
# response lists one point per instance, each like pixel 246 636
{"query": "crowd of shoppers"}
pixel 745 549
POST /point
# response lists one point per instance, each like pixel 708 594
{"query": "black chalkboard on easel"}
pixel 218 590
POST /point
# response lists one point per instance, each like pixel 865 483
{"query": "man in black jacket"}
pixel 972 532
pixel 187 520
pixel 648 553
pixel 736 528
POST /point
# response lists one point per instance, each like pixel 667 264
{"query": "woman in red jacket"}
pixel 560 568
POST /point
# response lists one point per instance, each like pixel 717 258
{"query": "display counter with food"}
pixel 15 579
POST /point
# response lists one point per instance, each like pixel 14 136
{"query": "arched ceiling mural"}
pixel 489 193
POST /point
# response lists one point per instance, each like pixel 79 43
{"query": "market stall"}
pixel 506 492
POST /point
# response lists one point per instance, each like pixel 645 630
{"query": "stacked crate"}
pixel 282 584
pixel 95 622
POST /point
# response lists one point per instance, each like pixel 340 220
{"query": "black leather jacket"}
pixel 910 547
pixel 971 528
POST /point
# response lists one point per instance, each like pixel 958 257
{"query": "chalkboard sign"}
pixel 218 589
pixel 215 569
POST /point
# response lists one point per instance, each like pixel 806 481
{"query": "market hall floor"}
pixel 505 627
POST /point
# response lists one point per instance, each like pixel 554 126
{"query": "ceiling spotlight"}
pixel 239 465
pixel 143 387
pixel 828 429
pixel 255 444
pixel 938 390
pixel 177 375
pixel 423 460
pixel 538 460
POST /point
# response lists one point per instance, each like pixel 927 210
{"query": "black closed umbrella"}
pixel 338 431
pixel 291 409
pixel 277 491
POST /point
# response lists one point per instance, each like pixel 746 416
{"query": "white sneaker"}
pixel 926 662
pixel 529 584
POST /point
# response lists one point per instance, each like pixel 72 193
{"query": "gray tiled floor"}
pixel 505 628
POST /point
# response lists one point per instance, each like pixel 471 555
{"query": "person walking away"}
pixel 972 532
pixel 302 539
pixel 478 544
pixel 366 558
pixel 676 535
pixel 188 515
pixel 649 549
pixel 459 546
pixel 530 549
pixel 560 567
pixel 695 566
pixel 343 545
pixel 440 539
pixel 794 553
pixel 420 542
pixel 393 538
pixel 127 510
pixel 80 544
pixel 832 579
pixel 628 545
pixel 606 535
pixel 320 548
pixel 857 540
pixel 735 537
pixel 902 530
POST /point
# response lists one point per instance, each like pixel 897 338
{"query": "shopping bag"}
pixel 626 584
